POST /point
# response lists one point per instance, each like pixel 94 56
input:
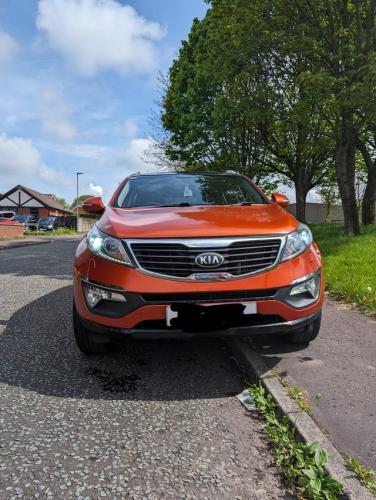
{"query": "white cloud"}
pixel 128 129
pixel 59 128
pixel 132 157
pixel 84 151
pixel 8 47
pixel 96 190
pixel 18 158
pixel 95 35
pixel 55 115
pixel 21 162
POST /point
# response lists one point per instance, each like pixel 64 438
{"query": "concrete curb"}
pixel 22 243
pixel 5 245
pixel 305 427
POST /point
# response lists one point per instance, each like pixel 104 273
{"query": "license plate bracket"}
pixel 174 312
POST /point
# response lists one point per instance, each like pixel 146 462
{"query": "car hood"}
pixel 196 222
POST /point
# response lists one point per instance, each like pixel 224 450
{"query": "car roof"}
pixel 148 174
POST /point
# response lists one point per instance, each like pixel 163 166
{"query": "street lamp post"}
pixel 77 174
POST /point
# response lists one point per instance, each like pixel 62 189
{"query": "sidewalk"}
pixel 28 241
pixel 338 371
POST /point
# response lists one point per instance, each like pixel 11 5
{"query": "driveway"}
pixel 338 371
pixel 152 420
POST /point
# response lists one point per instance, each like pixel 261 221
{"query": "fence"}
pixel 84 223
pixel 316 213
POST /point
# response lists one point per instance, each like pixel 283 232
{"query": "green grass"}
pixel 56 232
pixel 365 476
pixel 302 464
pixel 349 264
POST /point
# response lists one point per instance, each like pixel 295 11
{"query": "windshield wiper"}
pixel 245 203
pixel 184 204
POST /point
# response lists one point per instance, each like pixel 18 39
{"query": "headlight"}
pixel 310 287
pixel 297 242
pixel 107 247
pixel 306 292
pixel 50 226
pixel 95 294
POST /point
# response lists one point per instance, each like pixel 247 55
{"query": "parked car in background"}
pixel 7 214
pixel 180 254
pixel 48 223
pixel 29 222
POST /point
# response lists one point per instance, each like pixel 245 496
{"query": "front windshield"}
pixel 46 219
pixel 188 189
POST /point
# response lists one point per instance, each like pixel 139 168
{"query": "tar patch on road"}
pixel 112 383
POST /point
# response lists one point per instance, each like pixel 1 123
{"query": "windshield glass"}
pixel 186 190
pixel 46 219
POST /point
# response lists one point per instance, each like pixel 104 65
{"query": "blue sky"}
pixel 78 83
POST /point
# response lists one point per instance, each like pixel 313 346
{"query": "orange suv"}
pixel 206 254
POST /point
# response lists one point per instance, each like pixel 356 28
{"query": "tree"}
pixel 360 181
pixel 79 200
pixel 63 202
pixel 233 101
pixel 338 36
pixel 328 192
pixel 160 139
pixel 367 147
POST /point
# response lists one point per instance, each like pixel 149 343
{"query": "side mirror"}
pixel 280 199
pixel 93 205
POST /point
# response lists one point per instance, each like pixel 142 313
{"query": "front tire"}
pixel 309 333
pixel 85 338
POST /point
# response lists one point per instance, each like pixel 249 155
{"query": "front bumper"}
pixel 104 334
pixel 144 313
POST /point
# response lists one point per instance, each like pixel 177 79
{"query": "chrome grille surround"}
pixel 174 259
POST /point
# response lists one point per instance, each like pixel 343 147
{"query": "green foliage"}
pixel 79 200
pixel 61 231
pixel 279 89
pixel 298 395
pixel 365 476
pixel 355 255
pixel 302 464
pixel 63 202
pixel 232 102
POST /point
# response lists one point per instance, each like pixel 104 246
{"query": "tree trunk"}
pixel 369 198
pixel 301 192
pixel 345 172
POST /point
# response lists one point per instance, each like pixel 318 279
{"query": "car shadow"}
pixel 269 347
pixel 38 353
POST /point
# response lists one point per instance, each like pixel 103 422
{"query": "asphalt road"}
pixel 338 372
pixel 152 420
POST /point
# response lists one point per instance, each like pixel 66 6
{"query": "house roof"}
pixel 46 199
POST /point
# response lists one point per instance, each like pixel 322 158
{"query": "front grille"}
pixel 177 259
pixel 173 298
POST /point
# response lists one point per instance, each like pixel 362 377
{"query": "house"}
pixel 26 201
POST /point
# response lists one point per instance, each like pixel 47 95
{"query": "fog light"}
pixel 311 286
pixel 94 294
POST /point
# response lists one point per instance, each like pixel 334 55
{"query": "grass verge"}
pixel 349 264
pixel 55 232
pixel 302 464
pixel 297 394
pixel 365 476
